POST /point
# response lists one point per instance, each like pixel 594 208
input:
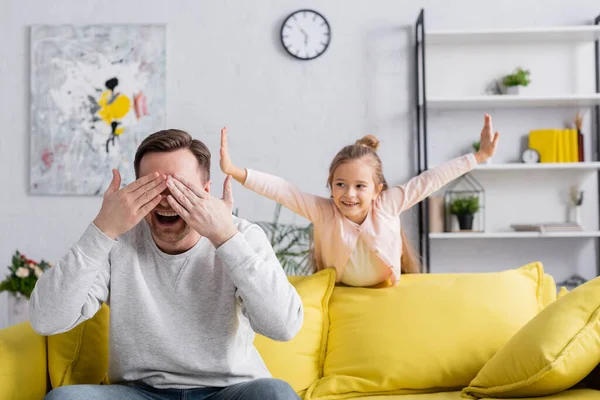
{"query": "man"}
pixel 188 284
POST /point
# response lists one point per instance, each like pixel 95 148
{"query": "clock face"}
pixel 530 156
pixel 305 34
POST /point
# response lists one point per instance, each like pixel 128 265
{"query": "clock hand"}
pixel 305 36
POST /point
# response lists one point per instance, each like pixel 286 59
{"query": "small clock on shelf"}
pixel 305 34
pixel 530 156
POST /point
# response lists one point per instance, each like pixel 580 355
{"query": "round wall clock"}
pixel 305 34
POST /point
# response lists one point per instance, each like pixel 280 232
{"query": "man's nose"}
pixel 163 201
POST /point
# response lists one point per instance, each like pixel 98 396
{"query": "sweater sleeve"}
pixel 314 208
pixel 400 198
pixel 74 289
pixel 268 299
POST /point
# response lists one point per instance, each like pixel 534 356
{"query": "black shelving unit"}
pixel 420 106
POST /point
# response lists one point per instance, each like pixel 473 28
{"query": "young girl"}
pixel 357 231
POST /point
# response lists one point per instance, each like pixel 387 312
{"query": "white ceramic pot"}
pixel 514 89
pixel 18 309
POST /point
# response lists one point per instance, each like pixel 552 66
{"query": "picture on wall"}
pixel 96 92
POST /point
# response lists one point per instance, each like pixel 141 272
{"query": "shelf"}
pixel 515 36
pixel 578 166
pixel 513 235
pixel 591 166
pixel 504 101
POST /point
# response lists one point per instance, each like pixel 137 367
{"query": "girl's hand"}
pixel 239 174
pixel 225 163
pixel 489 141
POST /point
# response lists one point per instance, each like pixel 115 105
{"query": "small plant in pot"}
pixel 516 81
pixel 465 208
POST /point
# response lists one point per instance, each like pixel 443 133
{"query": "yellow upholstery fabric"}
pixel 575 394
pixel 563 291
pixel 307 349
pixel 548 290
pixel 22 363
pixel 81 354
pixel 424 333
pixel 553 352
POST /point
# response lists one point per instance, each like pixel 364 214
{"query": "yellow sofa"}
pixel 432 337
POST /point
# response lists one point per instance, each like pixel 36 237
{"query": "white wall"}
pixel 226 66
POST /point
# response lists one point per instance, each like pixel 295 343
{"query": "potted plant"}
pixel 23 275
pixel 291 243
pixel 515 81
pixel 465 208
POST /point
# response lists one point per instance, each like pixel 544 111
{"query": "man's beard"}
pixel 168 234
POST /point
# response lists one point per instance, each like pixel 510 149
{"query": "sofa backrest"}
pixel 430 331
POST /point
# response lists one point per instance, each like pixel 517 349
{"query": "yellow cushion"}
pixel 81 354
pixel 563 291
pixel 548 288
pixel 300 361
pixel 553 352
pixel 427 332
pixel 22 363
pixel 549 295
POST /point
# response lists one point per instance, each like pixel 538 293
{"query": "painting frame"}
pixel 96 91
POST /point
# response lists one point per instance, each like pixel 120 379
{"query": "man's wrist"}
pixel 223 236
pixel 104 230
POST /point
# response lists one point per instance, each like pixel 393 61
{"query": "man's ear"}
pixel 207 186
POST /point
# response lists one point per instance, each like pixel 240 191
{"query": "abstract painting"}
pixel 96 92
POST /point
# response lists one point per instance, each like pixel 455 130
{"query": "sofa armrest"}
pixel 23 374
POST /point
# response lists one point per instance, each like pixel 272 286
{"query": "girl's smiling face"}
pixel 354 189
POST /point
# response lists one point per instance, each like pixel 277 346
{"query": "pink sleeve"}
pixel 311 207
pixel 400 198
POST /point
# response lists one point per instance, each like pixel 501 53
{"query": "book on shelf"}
pixel 547 227
pixel 557 145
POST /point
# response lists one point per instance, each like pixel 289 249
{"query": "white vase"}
pixel 575 214
pixel 18 309
pixel 513 89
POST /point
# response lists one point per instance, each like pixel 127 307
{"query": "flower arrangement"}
pixel 23 276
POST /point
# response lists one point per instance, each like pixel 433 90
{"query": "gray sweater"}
pixel 176 321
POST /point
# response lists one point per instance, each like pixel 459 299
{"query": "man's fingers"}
pixel 227 191
pixel 154 188
pixel 144 210
pixel 135 185
pixel 196 190
pixel 182 194
pixel 179 209
pixel 115 183
pixel 149 185
pixel 496 137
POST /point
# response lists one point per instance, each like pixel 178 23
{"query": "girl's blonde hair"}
pixel 366 148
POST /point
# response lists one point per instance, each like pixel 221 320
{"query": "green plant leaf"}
pixel 291 244
pixel 464 205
